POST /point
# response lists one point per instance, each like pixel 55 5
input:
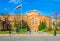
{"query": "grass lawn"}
pixel 23 31
pixel 44 30
pixel 7 32
pixel 4 32
pixel 52 32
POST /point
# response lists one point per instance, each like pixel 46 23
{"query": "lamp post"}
pixel 55 23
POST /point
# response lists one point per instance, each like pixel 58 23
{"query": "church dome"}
pixel 33 12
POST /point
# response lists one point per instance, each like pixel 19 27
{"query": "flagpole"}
pixel 21 18
pixel 19 6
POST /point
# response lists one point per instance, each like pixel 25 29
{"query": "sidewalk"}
pixel 32 34
pixel 28 35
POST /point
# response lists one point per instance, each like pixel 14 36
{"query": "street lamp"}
pixel 55 23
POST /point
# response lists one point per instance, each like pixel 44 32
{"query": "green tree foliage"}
pixel 15 25
pixel 1 23
pixel 42 25
pixel 53 23
pixel 23 25
pixel 58 24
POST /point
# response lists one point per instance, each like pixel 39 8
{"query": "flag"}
pixel 19 6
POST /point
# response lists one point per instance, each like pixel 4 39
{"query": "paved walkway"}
pixel 29 38
pixel 32 34
pixel 35 36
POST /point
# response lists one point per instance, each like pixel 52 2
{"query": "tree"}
pixel 42 25
pixel 53 23
pixel 23 25
pixel 1 24
pixel 15 25
pixel 58 25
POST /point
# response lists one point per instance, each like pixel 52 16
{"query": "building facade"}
pixel 32 18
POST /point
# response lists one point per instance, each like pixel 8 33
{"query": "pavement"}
pixel 41 36
pixel 31 34
pixel 16 37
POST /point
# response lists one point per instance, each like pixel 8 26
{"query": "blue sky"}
pixel 47 7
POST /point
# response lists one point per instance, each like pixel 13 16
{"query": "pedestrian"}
pixel 28 30
pixel 16 29
pixel 9 28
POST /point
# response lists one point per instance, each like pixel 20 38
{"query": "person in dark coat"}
pixel 9 27
pixel 28 29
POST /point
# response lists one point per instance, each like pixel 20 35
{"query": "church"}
pixel 33 19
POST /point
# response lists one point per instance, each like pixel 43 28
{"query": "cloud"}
pixel 15 1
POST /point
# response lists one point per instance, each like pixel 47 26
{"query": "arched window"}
pixel 33 22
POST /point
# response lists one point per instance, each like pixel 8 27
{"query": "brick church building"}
pixel 33 19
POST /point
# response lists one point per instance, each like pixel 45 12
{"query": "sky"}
pixel 46 7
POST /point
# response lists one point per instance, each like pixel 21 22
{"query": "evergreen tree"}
pixel 42 25
pixel 23 25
